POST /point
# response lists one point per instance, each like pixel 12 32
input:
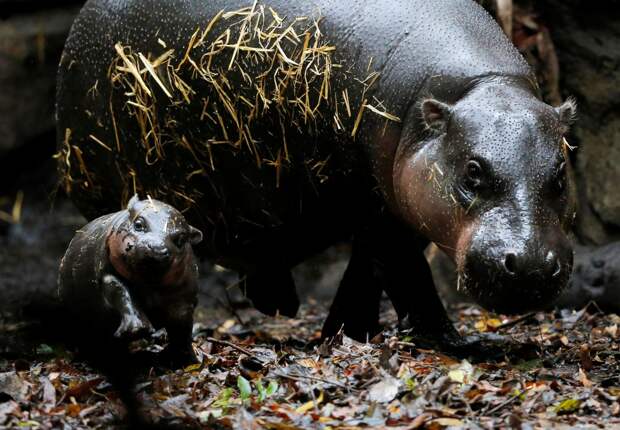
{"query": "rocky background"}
pixel 574 45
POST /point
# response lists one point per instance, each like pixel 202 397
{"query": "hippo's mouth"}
pixel 512 296
pixel 153 269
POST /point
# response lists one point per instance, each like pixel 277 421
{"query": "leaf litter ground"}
pixel 263 372
pixel 275 373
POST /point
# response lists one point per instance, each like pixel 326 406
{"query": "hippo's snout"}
pixel 520 265
pixel 160 253
pixel 514 279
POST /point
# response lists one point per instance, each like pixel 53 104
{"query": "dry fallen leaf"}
pixel 14 386
pixel 385 390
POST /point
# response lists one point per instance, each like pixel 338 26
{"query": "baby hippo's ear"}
pixel 131 206
pixel 567 113
pixel 195 235
pixel 436 114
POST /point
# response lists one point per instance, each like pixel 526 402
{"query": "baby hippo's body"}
pixel 129 272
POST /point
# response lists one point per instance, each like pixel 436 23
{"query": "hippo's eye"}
pixel 139 225
pixel 473 174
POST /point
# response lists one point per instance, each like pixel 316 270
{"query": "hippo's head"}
pixel 153 243
pixel 489 183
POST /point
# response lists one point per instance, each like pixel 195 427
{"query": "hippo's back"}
pixel 114 143
pixel 83 265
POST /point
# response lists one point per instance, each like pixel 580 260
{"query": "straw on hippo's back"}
pixel 286 126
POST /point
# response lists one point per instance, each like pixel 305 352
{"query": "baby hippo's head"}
pixel 153 243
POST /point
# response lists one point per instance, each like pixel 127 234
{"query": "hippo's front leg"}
pixel 394 261
pixel 386 255
pixel 178 321
pixel 116 296
pixel 408 282
pixel 406 277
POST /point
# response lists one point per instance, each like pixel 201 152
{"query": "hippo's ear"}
pixel 195 235
pixel 567 113
pixel 131 206
pixel 436 114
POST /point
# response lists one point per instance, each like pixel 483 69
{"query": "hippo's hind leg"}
pixel 272 291
pixel 355 308
pixel 116 296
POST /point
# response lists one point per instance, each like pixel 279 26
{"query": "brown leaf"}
pixel 419 421
pixel 73 409
pixel 583 378
pixel 82 389
pixel 585 357
pixel 612 331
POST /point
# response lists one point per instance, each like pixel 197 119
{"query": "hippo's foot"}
pixel 176 357
pixel 355 326
pixel 477 348
pixel 133 327
pixel 282 297
pixel 180 352
pixel 408 282
pixel 355 308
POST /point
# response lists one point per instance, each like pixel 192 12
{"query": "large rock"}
pixel 596 278
pixel 587 36
pixel 30 49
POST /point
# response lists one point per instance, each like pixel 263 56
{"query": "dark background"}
pixel 573 45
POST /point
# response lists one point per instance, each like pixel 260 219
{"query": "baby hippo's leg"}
pixel 133 321
pixel 178 323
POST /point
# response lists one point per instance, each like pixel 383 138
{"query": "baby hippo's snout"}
pixel 160 253
pixel 517 277
pixel 163 250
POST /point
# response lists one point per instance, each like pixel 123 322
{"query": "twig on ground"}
pixel 233 346
pixel 297 377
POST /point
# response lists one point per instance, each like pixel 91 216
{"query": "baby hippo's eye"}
pixel 140 225
pixel 473 174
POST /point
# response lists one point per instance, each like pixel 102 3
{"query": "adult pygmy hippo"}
pixel 286 126
pixel 133 270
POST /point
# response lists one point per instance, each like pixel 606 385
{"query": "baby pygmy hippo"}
pixel 133 270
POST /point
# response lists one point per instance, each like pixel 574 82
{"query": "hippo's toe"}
pixel 133 327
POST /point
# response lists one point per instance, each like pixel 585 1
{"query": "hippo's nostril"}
pixel 161 252
pixel 510 263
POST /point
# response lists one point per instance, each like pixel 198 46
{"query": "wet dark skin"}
pixel 476 163
pixel 132 271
